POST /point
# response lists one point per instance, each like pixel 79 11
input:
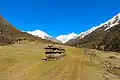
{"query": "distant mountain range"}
pixel 59 39
pixel 106 36
pixel 44 36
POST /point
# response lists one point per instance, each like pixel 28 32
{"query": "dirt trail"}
pixel 68 70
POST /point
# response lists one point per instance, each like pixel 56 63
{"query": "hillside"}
pixel 10 34
pixel 53 40
pixel 103 37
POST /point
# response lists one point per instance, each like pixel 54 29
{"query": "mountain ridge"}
pixel 107 23
pixel 98 37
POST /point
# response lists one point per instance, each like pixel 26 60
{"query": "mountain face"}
pixel 104 37
pixel 39 33
pixel 65 38
pixel 9 34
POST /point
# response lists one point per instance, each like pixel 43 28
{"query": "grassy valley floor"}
pixel 25 62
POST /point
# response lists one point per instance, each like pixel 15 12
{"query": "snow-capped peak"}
pixel 112 22
pixel 109 24
pixel 39 33
pixel 62 38
pixel 65 38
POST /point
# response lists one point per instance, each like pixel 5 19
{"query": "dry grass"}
pixel 24 62
pixel 105 65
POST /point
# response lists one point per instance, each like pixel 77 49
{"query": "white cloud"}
pixel 65 38
pixel 38 33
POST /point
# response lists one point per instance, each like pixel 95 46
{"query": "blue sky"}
pixel 57 17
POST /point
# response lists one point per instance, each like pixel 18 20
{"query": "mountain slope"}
pixel 105 36
pixel 53 39
pixel 9 34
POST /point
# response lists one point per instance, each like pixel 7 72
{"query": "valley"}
pixel 22 54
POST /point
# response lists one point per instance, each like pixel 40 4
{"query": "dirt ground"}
pixel 25 62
